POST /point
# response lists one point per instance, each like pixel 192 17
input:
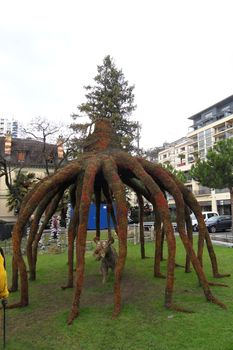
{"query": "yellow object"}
pixel 3 280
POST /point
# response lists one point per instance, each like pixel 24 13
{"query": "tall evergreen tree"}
pixel 110 97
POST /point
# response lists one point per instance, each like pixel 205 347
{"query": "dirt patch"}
pixel 132 289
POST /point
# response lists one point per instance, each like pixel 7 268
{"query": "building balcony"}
pixel 193 142
pixel 222 130
pixel 202 192
pixel 221 190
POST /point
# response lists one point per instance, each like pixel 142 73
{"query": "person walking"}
pixel 55 227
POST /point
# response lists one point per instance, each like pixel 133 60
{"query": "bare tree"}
pixel 50 133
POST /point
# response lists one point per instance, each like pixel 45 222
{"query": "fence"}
pixel 48 245
pixel 134 232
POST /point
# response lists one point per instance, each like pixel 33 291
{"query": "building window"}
pixel 208 132
pixel 207 116
pixel 201 144
pixel 202 154
pixel 21 156
pixel 209 142
pixel 200 136
pixel 226 110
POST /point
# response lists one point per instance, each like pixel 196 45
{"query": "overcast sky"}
pixel 178 54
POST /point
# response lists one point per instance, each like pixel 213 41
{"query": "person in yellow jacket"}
pixel 3 277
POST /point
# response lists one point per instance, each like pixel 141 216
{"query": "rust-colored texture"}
pixel 103 171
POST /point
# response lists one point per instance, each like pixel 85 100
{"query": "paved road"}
pixel 228 234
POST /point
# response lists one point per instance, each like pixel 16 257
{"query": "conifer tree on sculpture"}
pixel 105 166
pixel 110 96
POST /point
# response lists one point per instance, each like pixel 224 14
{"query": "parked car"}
pixel 219 223
pixel 206 216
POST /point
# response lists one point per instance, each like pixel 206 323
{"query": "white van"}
pixel 206 215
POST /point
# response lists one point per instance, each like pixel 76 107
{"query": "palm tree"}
pixel 181 156
pixel 19 188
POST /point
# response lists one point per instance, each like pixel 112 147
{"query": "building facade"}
pixel 9 126
pixel 209 126
pixel 30 157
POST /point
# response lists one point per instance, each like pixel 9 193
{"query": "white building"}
pixel 9 126
pixel 211 125
pixel 176 154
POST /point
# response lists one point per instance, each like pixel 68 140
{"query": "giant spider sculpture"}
pixel 105 167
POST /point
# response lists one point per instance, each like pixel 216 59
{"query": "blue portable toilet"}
pixel 92 217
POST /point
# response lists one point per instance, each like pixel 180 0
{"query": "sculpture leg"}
pixel 87 191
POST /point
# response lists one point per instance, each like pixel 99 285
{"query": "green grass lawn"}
pixel 143 323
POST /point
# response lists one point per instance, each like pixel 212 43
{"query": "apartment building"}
pixel 9 126
pixel 209 126
pixel 176 153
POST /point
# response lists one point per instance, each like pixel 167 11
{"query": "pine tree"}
pixel 111 97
